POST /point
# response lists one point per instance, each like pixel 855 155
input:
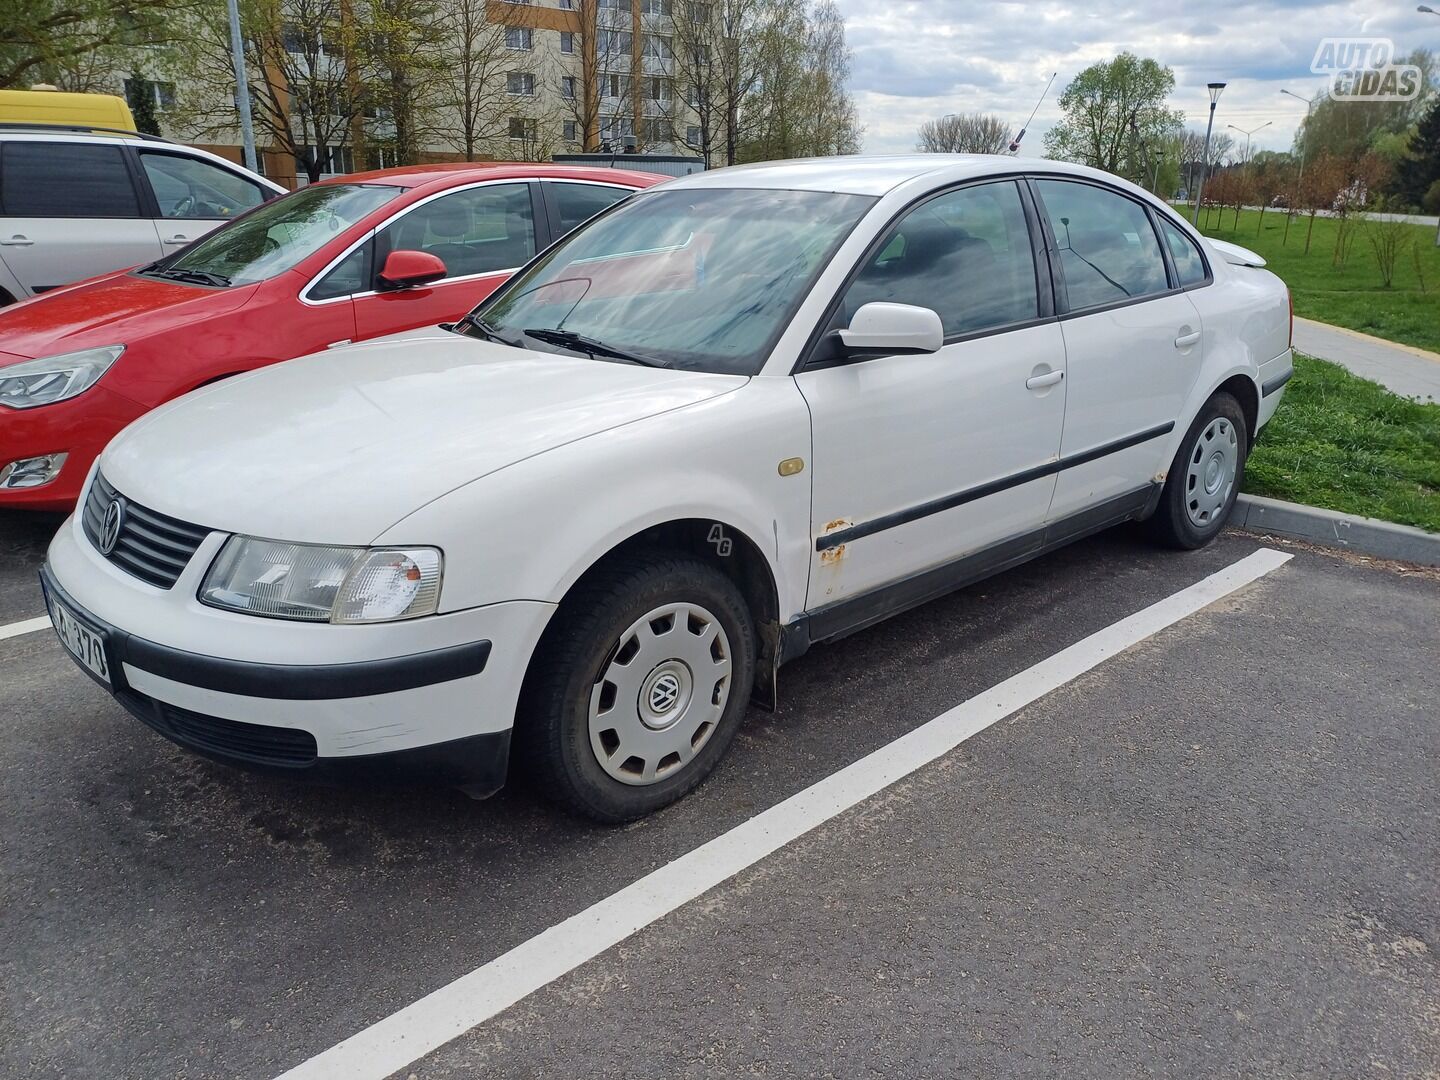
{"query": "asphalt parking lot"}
pixel 1215 854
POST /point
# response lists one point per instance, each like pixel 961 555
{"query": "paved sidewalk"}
pixel 1403 369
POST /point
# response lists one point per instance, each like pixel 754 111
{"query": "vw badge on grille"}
pixel 111 526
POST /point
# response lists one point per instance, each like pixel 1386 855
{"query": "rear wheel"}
pixel 638 687
pixel 1205 477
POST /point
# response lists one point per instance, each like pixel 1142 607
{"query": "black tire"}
pixel 1172 523
pixel 552 733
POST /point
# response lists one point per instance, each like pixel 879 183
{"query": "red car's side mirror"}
pixel 410 269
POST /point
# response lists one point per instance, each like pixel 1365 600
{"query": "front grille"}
pixel 153 547
pixel 232 740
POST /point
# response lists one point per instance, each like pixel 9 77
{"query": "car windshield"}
pixel 274 237
pixel 705 279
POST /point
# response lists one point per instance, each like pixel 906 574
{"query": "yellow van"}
pixel 57 107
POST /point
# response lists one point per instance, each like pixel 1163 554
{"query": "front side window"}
pixel 187 187
pixel 702 279
pixel 1108 251
pixel 1189 263
pixel 350 275
pixel 274 237
pixel 66 180
pixel 966 254
pixel 475 231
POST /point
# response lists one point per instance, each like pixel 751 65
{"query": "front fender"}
pixel 528 531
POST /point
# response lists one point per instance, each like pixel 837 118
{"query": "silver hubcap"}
pixel 1210 477
pixel 661 694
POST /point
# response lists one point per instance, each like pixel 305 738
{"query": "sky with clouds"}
pixel 924 58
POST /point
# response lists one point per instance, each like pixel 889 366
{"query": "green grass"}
pixel 1351 295
pixel 1348 444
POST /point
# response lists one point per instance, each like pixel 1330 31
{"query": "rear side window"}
pixel 66 180
pixel 965 254
pixel 1108 251
pixel 575 203
pixel 1189 263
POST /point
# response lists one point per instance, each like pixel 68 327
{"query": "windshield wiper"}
pixel 199 277
pixel 488 331
pixel 593 347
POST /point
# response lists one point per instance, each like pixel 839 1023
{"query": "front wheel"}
pixel 638 687
pixel 1205 477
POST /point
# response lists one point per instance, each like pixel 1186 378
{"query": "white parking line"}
pixel 29 626
pixel 408 1035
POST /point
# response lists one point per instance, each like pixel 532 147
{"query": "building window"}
pixel 521 128
pixel 658 89
pixel 572 131
pixel 657 131
pixel 567 5
pixel 616 127
pixel 567 41
pixel 701 13
pixel 519 82
pixel 655 7
pixel 656 48
pixel 692 135
pixel 519 37
pixel 612 85
pixel 614 5
pixel 567 86
pixel 616 42
pixel 695 97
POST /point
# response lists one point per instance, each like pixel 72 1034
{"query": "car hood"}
pixel 338 446
pixel 117 309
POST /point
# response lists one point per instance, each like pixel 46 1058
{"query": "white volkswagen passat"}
pixel 737 415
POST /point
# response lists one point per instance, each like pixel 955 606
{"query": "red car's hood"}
pixel 117 309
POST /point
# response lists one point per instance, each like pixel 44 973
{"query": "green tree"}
pixel 40 40
pixel 140 96
pixel 1111 109
pixel 1420 168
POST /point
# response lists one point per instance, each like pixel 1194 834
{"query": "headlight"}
pixel 323 584
pixel 54 378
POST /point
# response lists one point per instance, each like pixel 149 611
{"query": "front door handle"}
pixel 1050 378
pixel 18 241
pixel 1186 338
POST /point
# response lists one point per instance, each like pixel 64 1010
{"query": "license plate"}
pixel 84 644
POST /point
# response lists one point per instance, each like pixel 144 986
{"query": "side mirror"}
pixel 410 270
pixel 881 329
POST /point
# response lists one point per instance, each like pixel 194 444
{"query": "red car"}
pixel 339 261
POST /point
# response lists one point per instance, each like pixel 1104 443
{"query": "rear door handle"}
pixel 1186 339
pixel 1050 378
pixel 18 241
pixel 177 240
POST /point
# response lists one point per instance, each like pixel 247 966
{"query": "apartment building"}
pixel 604 71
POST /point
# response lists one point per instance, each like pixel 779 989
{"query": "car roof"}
pixel 868 175
pixel 451 173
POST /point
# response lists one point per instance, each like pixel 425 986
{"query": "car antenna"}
pixel 1015 143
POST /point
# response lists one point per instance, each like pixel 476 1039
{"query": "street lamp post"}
pixel 1247 135
pixel 1214 88
pixel 242 86
pixel 1309 104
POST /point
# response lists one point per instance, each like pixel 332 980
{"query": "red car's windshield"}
pixel 272 238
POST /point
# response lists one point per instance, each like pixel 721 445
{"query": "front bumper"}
pixel 429 700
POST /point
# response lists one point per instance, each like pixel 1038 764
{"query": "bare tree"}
pixel 964 133
pixel 718 60
pixel 471 106
pixel 1388 236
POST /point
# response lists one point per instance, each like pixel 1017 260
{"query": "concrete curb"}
pixel 1330 528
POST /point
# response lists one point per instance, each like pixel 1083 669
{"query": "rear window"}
pixel 65 180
